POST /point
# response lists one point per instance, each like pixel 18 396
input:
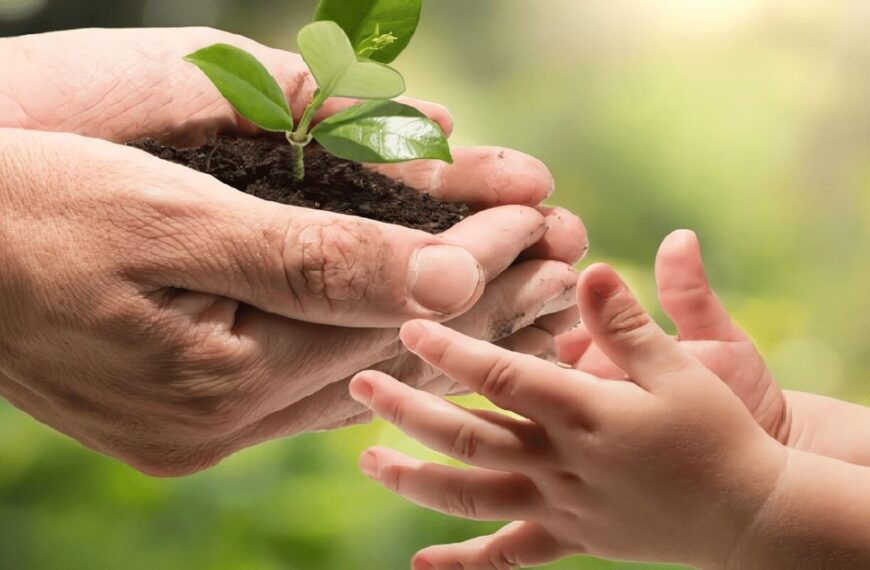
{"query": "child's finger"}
pixel 596 363
pixel 624 331
pixel 533 341
pixel 577 350
pixel 685 293
pixel 519 544
pixel 524 384
pixel 573 344
pixel 478 494
pixel 451 429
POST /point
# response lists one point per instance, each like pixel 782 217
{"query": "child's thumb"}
pixel 626 333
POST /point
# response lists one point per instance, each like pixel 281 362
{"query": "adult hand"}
pixel 163 318
pixel 190 320
pixel 136 84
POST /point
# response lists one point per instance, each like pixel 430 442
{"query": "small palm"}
pixel 739 364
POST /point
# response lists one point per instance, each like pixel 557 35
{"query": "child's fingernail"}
pixel 368 464
pixel 361 391
pixel 420 564
pixel 604 288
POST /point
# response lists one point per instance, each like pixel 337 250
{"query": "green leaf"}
pixel 363 20
pixel 246 84
pixel 380 132
pixel 331 59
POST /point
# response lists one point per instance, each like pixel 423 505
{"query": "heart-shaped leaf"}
pixel 327 52
pixel 365 20
pixel 381 132
pixel 246 84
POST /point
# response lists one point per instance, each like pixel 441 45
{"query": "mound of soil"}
pixel 263 167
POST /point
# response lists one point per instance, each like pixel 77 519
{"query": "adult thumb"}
pixel 307 264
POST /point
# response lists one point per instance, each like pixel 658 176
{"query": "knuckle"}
pixel 392 477
pixel 393 411
pixel 438 348
pixel 213 355
pixel 465 443
pixel 460 503
pixel 625 318
pixel 498 559
pixel 694 296
pixel 499 379
pixel 337 261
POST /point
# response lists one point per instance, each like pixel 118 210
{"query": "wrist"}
pixel 816 517
pixel 803 409
pixel 739 492
pixel 741 554
pixel 751 475
pixel 829 427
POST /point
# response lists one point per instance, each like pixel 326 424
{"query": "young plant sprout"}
pixel 347 49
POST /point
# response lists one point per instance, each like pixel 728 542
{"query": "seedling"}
pixel 347 49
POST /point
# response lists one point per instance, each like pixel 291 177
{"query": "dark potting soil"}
pixel 263 167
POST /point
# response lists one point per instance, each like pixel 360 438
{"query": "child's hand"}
pixel 704 329
pixel 668 466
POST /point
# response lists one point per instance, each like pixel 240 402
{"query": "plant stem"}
pixel 300 137
pixel 298 158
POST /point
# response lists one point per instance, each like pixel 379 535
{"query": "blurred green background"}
pixel 748 121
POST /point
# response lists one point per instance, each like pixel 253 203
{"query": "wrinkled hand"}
pixel 666 466
pixel 704 329
pixel 163 318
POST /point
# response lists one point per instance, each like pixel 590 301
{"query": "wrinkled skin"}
pixel 163 318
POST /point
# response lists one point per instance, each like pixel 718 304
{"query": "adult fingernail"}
pixel 444 278
pixel 420 564
pixel 361 391
pixel 368 464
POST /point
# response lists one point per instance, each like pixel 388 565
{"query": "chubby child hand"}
pixel 704 329
pixel 665 465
